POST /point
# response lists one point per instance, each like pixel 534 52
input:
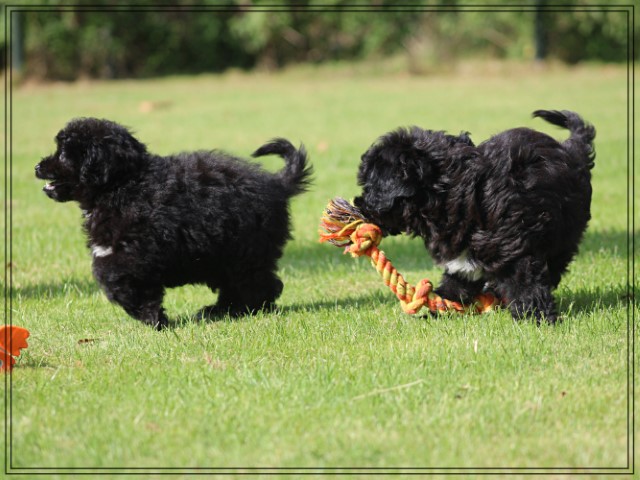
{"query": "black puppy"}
pixel 156 222
pixel 507 215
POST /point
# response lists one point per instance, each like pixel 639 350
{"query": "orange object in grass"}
pixel 12 340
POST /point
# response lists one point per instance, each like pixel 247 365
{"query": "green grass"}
pixel 339 377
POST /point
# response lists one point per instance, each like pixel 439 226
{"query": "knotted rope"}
pixel 343 225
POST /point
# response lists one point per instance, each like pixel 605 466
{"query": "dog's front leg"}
pixel 249 293
pixel 459 288
pixel 149 313
pixel 142 302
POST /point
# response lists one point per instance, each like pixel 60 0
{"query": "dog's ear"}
pixel 440 156
pixel 111 159
pixel 387 173
pixel 94 170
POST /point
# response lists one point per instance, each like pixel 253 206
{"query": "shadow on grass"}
pixel 591 300
pixel 366 299
pixel 611 241
pixel 309 307
pixel 81 286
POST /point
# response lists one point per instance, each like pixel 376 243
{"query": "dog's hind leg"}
pixel 527 289
pixel 247 294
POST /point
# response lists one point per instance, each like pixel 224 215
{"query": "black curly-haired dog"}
pixel 507 215
pixel 157 222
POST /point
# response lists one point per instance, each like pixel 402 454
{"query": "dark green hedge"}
pixel 103 42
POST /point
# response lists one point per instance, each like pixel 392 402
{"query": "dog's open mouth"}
pixel 61 191
pixel 50 186
pixel 54 186
pixel 52 182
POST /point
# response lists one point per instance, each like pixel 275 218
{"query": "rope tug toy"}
pixel 343 225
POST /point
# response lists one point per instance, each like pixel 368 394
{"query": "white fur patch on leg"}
pixel 464 267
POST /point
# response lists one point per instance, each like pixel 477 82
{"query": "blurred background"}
pixel 54 42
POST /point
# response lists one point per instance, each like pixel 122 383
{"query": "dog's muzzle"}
pixel 50 186
pixel 55 189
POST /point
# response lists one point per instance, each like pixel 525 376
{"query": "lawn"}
pixel 339 377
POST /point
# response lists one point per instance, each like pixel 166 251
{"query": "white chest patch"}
pixel 464 267
pixel 99 251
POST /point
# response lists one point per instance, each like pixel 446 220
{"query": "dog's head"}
pixel 92 155
pixel 401 175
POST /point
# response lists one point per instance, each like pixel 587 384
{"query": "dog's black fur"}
pixel 507 215
pixel 156 222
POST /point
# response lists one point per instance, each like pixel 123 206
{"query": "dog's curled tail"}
pixel 296 174
pixel 582 133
